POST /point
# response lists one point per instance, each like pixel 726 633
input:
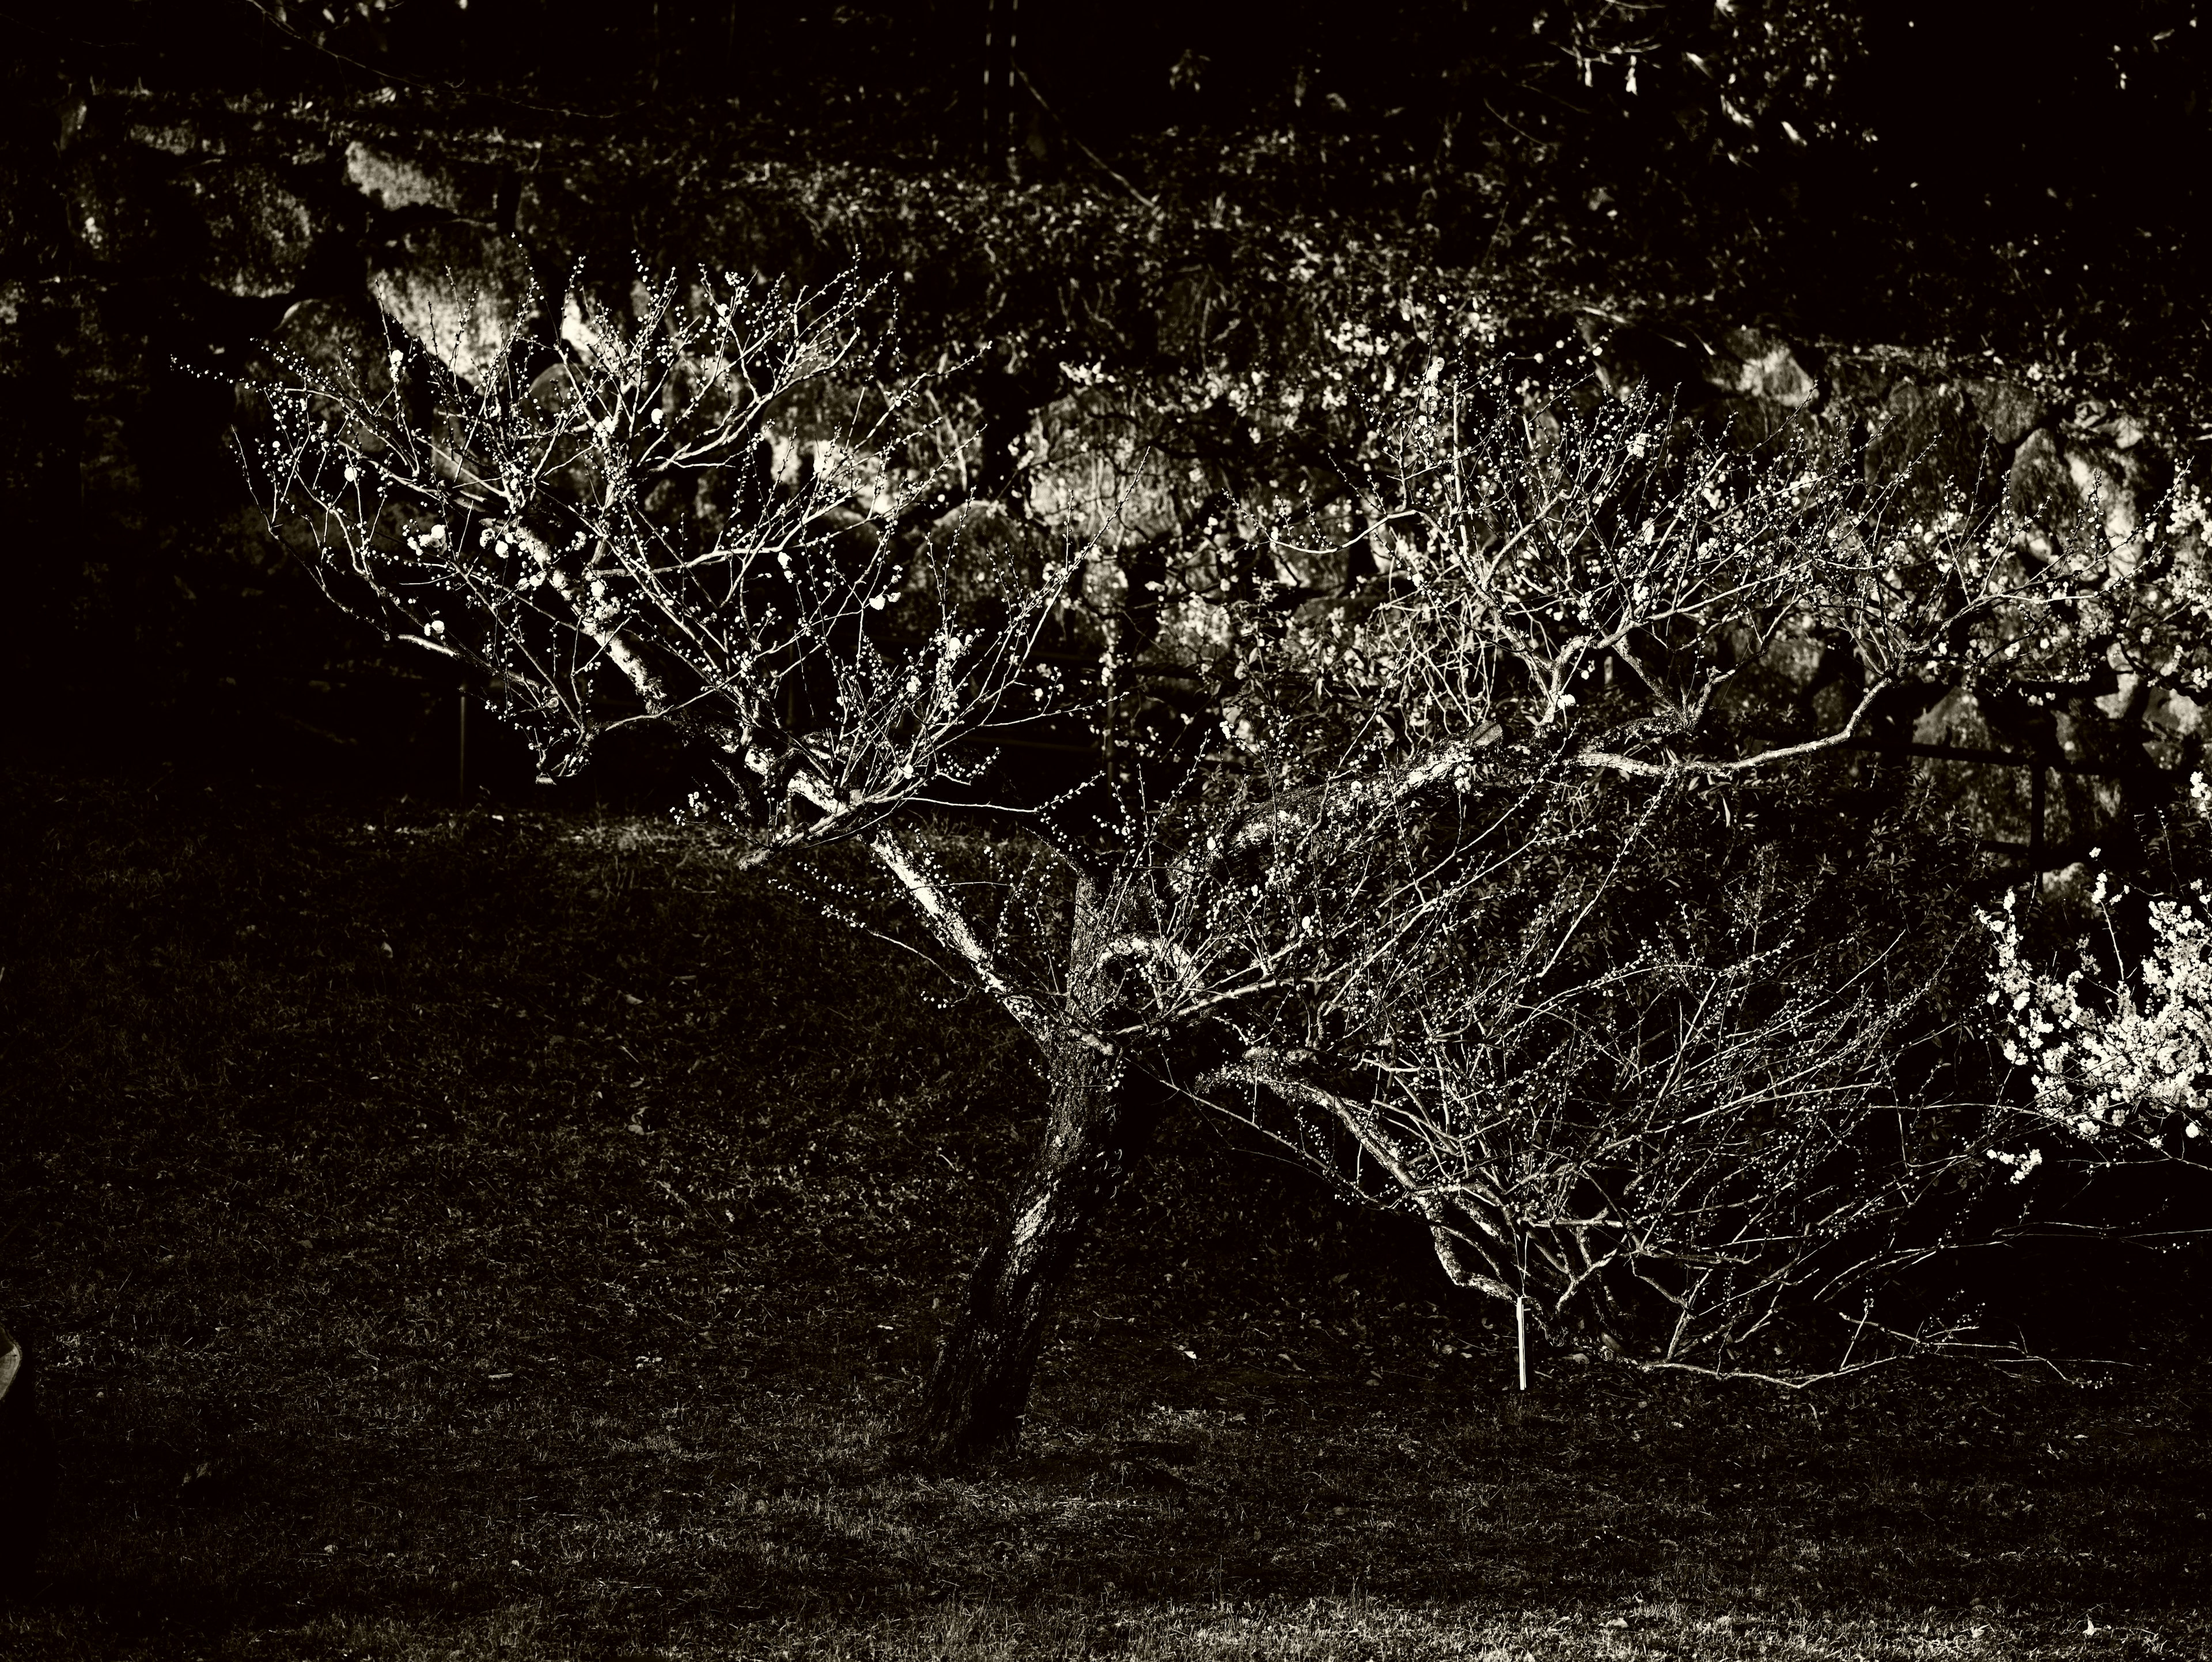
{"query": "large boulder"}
pixel 340 342
pixel 2070 495
pixel 978 553
pixel 26 1464
pixel 1863 379
pixel 260 235
pixel 2107 485
pixel 2039 496
pixel 392 181
pixel 1929 455
pixel 462 291
pixel 343 346
pixel 118 208
pixel 2007 411
pixel 1094 475
pixel 1751 363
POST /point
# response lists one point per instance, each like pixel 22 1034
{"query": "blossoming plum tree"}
pixel 1475 870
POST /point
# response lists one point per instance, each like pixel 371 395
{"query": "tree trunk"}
pixel 975 1398
pixel 1102 1116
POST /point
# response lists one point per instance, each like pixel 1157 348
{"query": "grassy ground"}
pixel 481 1236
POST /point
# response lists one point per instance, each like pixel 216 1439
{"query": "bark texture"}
pixel 974 1403
pixel 1102 1116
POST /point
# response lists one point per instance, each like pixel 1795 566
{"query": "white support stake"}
pixel 1521 1304
pixel 1521 1334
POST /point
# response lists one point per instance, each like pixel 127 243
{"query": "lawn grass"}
pixel 510 1234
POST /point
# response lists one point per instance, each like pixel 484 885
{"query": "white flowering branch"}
pixel 2111 1058
pixel 633 536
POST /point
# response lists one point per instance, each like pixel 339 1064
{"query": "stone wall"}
pixel 159 259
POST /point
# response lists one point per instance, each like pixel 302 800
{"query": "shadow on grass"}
pixel 512 1236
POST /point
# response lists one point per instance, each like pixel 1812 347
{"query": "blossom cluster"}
pixel 2106 1052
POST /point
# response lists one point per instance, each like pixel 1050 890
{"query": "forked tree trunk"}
pixel 1102 1116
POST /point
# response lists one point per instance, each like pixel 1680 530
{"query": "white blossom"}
pixel 2100 1056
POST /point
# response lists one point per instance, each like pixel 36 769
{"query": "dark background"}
pixel 2107 101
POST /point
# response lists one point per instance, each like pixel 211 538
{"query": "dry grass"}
pixel 541 1286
